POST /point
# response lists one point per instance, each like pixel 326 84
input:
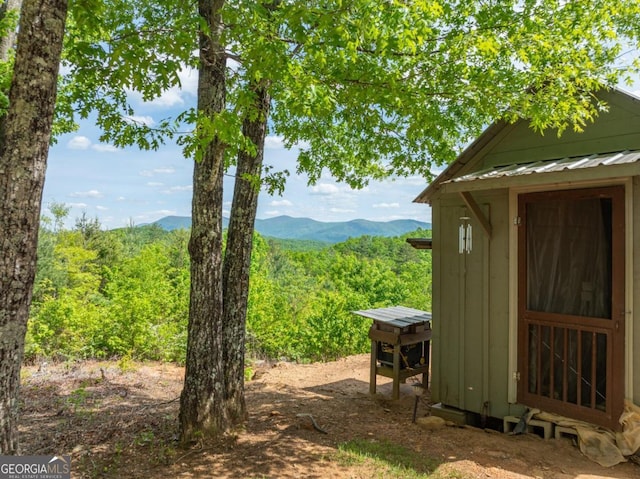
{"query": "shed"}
pixel 536 267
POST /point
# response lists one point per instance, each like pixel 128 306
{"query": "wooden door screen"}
pixel 571 303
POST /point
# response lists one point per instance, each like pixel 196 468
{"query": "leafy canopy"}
pixel 364 88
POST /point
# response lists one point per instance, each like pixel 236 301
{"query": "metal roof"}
pixel 397 316
pixel 549 166
pixel 484 142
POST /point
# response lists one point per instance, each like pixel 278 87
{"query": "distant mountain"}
pixel 286 227
pixel 171 223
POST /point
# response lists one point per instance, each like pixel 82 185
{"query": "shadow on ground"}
pixel 118 424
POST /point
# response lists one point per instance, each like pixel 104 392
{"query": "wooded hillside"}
pixel 124 293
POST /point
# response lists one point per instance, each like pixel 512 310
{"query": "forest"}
pixel 124 293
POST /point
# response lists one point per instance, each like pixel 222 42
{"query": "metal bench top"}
pixel 397 316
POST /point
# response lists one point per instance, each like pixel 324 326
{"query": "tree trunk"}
pixel 202 411
pixel 8 42
pixel 237 260
pixel 24 147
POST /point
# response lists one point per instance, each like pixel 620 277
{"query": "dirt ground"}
pixel 118 420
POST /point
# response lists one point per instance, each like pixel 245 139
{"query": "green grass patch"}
pixel 390 460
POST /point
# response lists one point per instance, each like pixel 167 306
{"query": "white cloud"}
pixel 324 189
pixel 77 205
pixel 104 148
pixel 83 143
pixel 273 142
pixel 412 181
pixel 189 80
pixel 101 208
pixel 387 205
pixel 177 189
pixel 272 213
pixel 141 120
pixel 169 98
pixel 276 142
pixel 154 183
pixel 86 194
pixel 164 212
pixel 341 210
pixel 79 143
pixel 65 69
pixel 281 203
pixel 163 170
pixel 233 64
pixel 174 96
pixel 153 215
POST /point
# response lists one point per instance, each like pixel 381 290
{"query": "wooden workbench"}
pixel 398 328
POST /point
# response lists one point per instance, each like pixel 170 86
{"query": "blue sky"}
pixel 120 186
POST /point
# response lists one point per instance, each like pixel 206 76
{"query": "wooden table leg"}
pixel 374 365
pixel 396 372
pixel 427 355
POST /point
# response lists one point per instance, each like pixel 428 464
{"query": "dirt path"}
pixel 118 421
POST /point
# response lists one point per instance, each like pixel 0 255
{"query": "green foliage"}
pixel 331 331
pixel 297 245
pixel 125 293
pixel 115 47
pixel 301 304
pixel 96 295
pixel 369 89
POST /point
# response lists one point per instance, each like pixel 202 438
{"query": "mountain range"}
pixel 287 227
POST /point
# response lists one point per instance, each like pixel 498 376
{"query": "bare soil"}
pixel 118 420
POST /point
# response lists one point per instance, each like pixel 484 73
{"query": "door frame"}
pixel 615 330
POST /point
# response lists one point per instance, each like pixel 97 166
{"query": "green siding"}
pixel 446 304
pixel 615 130
pixel 498 292
pixel 471 308
pixel 635 316
pixel 473 276
pixel 459 312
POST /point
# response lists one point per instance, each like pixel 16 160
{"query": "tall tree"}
pixel 368 89
pixel 202 410
pixel 24 145
pixel 237 259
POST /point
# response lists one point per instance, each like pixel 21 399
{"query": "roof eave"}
pixel 469 153
pixel 565 177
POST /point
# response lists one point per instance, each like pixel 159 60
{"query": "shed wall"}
pixel 634 318
pixel 471 307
